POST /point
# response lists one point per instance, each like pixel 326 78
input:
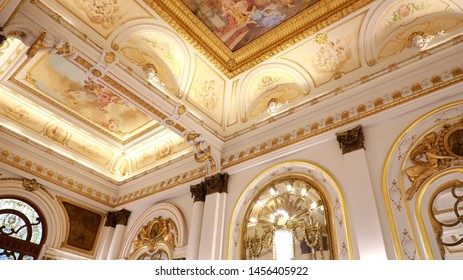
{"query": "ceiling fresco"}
pixel 83 95
pixel 237 35
pixel 237 23
pixel 220 69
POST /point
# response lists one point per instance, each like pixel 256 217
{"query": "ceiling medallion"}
pixel 253 32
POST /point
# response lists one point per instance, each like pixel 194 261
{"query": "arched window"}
pixel 287 219
pixel 22 229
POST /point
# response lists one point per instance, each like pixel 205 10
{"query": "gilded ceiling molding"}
pixel 169 183
pixel 75 186
pixel 12 15
pixel 300 26
pixel 29 185
pixel 54 177
pixel 351 140
pixel 414 91
pixel 36 46
pixel 86 168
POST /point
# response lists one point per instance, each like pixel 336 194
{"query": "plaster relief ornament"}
pixel 208 96
pixel 57 132
pixel 151 74
pixel 332 56
pixel 419 40
pixel 104 12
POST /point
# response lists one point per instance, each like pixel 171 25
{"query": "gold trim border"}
pixel 320 168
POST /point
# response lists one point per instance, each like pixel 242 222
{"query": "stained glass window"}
pixel 21 230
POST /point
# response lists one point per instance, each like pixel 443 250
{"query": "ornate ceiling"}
pixel 74 73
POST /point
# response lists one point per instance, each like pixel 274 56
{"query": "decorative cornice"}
pixel 198 191
pixel 217 183
pixel 361 111
pixel 111 220
pixel 122 217
pixel 351 140
pixel 53 177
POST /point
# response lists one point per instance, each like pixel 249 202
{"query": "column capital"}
pixel 111 220
pixel 351 140
pixel 198 191
pixel 122 217
pixel 217 183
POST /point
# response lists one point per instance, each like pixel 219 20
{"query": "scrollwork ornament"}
pixel 158 230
